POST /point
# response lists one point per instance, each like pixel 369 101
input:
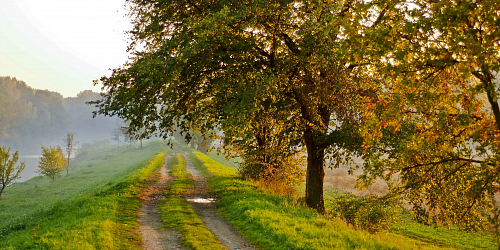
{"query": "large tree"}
pixel 195 63
pixel 437 123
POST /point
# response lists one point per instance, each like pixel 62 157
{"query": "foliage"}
pixel 51 162
pixel 265 150
pixel 8 171
pixel 435 127
pixel 419 102
pixel 30 117
pixel 370 213
pixel 287 67
pixel 271 222
pixel 28 114
pixel 201 143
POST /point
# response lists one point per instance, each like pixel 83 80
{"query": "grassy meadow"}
pixel 93 208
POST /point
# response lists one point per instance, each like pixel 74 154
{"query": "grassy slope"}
pixel 273 222
pixel 438 236
pixel 93 208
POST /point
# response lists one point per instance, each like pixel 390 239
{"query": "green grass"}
pixel 93 208
pixel 439 236
pixel 232 163
pixel 443 236
pixel 177 213
pixel 274 222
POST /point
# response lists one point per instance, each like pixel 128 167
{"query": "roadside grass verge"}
pixel 405 225
pixel 100 215
pixel 177 213
pixel 444 236
pixel 274 222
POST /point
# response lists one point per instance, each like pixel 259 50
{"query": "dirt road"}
pixel 152 231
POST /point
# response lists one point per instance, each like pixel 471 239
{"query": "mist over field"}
pixel 31 117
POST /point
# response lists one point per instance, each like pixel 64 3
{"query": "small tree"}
pixel 117 132
pixel 9 172
pixel 70 144
pixel 52 162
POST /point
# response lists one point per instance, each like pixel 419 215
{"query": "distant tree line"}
pixel 31 117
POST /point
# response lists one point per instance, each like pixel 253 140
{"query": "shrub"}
pixel 370 213
pixel 284 170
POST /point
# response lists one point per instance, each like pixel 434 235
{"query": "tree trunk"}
pixel 67 167
pixel 1 190
pixel 315 172
pixel 489 87
pixel 490 93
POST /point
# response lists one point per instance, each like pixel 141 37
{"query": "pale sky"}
pixel 62 45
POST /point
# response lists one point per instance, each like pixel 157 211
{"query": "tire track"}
pixel 205 208
pixel 149 219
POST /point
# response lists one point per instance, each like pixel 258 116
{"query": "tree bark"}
pixel 486 78
pixel 315 172
pixel 490 93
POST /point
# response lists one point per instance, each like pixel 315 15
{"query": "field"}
pixel 95 207
pixel 92 208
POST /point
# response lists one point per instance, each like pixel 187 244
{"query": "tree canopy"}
pixel 211 65
pixel 436 123
pixel 51 162
pixel 30 117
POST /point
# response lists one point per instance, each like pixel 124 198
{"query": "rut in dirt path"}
pixel 149 219
pixel 204 207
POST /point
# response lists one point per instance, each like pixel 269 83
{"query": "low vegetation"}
pixel 93 208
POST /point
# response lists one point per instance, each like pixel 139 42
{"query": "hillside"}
pixel 42 214
pixel 30 117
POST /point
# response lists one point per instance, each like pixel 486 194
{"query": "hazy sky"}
pixel 62 45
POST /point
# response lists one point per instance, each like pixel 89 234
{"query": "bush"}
pixel 286 171
pixel 370 213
